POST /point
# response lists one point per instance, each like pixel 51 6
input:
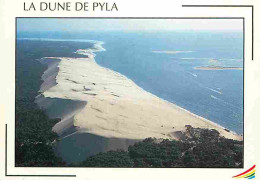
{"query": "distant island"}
pixel 218 68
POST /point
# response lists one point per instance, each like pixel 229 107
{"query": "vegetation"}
pixel 205 149
pixel 108 159
pixel 34 137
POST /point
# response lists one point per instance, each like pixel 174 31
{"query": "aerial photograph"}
pixel 129 93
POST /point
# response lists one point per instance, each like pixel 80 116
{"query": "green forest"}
pixel 34 138
pixel 207 150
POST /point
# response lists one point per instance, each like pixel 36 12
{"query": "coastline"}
pixel 107 114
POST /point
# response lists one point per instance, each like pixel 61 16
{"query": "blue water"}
pixel 214 94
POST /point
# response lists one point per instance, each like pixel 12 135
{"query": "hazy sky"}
pixel 72 25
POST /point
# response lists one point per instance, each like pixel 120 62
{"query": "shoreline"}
pixel 99 129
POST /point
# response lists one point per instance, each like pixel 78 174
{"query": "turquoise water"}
pixel 214 94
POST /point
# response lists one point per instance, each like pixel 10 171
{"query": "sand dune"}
pixel 116 107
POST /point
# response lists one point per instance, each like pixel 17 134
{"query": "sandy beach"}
pixel 115 106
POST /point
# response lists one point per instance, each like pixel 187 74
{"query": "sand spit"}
pixel 115 106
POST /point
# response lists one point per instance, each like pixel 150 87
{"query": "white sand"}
pixel 117 107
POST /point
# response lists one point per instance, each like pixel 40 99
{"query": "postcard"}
pixel 123 90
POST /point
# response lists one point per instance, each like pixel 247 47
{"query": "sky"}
pixel 77 25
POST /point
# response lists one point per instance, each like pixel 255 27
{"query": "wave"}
pixel 193 74
pixel 224 102
pixel 217 90
pixel 214 97
pixel 214 90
